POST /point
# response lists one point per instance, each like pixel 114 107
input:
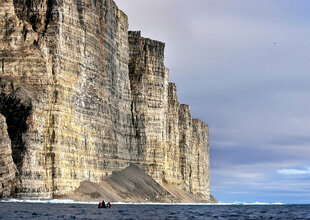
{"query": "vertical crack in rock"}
pixel 2 65
pixel 52 134
pixel 48 16
pixel 50 154
pixel 80 9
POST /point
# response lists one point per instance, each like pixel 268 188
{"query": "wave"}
pixel 252 203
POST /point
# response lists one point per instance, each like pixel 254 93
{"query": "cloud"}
pixel 294 171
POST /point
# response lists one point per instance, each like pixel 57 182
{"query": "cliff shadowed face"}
pixel 16 109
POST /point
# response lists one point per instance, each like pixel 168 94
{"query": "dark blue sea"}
pixel 90 211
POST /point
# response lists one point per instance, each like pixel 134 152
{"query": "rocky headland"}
pixel 85 103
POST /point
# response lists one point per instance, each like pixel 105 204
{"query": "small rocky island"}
pixel 87 110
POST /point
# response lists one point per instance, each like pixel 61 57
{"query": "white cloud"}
pixel 294 171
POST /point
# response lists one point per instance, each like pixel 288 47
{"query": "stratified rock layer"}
pixel 149 89
pixel 187 158
pixel 80 98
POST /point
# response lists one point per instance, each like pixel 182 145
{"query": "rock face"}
pixel 7 166
pixel 149 89
pixel 80 97
pixel 187 158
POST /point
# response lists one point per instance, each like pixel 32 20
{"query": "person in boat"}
pixel 102 204
pixel 109 205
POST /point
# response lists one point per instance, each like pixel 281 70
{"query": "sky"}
pixel 243 66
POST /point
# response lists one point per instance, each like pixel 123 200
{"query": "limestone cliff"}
pixel 187 159
pixel 81 97
pixel 149 89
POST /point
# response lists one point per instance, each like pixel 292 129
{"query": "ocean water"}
pixel 54 210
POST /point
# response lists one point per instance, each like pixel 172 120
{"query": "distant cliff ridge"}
pixel 81 97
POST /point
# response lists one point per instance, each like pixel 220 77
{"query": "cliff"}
pixel 81 97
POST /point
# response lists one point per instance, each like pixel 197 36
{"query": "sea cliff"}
pixel 82 98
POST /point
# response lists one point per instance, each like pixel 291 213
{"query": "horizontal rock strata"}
pixel 149 89
pixel 80 97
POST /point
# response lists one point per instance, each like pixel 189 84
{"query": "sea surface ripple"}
pixel 133 212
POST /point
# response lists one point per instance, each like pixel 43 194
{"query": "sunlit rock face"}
pixel 80 98
pixel 187 158
pixel 7 166
pixel 71 58
pixel 149 89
